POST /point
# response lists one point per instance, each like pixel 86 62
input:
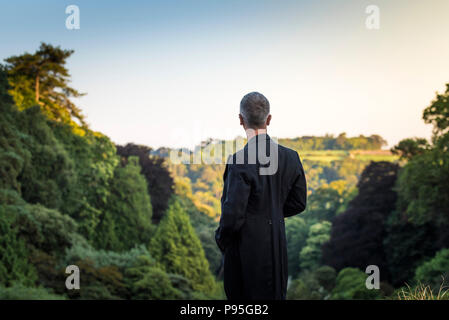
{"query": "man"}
pixel 258 193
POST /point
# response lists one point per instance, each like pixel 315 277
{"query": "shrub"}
pixel 14 264
pixel 435 271
pixel 19 292
pixel 149 282
pixel 102 258
pixel 350 284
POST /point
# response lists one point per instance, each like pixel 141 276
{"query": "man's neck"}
pixel 250 133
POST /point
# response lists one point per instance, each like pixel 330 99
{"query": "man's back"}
pixel 257 195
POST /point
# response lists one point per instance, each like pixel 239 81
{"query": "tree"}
pixel 178 250
pixel 127 218
pixel 376 142
pixel 313 285
pixel 350 284
pixel 437 113
pixel 99 283
pixel 434 272
pixel 418 227
pixel 326 277
pixel 159 181
pixel 341 143
pixel 4 86
pixel 14 264
pixel 147 281
pixel 408 148
pixel 406 246
pixel 296 231
pixel 20 292
pixel 322 205
pixel 94 160
pixel 48 177
pixel 303 289
pixel 422 187
pixel 357 234
pixel 42 78
pixel 310 255
pixel 203 224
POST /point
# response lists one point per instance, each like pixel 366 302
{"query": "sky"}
pixel 172 73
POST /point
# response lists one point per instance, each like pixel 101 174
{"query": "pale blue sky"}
pixel 170 73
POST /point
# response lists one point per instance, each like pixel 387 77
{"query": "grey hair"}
pixel 254 109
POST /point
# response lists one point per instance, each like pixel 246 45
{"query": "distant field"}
pixel 335 155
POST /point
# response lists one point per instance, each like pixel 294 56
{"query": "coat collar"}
pixel 257 137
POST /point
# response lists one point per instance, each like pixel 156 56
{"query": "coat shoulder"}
pixel 291 154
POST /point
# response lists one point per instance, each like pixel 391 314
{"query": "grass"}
pixel 338 155
pixel 423 292
pixel 374 157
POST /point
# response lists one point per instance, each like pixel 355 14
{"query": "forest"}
pixel 141 227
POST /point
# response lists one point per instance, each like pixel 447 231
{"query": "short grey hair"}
pixel 254 109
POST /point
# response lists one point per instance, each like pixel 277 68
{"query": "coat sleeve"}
pixel 236 192
pixel 297 198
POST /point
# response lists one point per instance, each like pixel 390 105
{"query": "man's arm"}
pixel 297 197
pixel 236 191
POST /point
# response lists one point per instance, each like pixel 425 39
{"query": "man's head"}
pixel 254 111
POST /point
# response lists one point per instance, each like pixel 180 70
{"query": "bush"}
pixel 99 283
pixel 102 258
pixel 147 281
pixel 14 264
pixel 127 218
pixel 45 229
pixel 19 292
pixel 350 284
pixel 316 285
pixel 434 272
pixel 178 250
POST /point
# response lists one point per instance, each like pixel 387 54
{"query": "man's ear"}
pixel 241 120
pixel 268 120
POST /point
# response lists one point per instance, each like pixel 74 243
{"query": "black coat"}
pixel 251 233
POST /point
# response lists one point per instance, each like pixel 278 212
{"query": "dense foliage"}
pixel 357 234
pixel 329 142
pixel 67 197
pixel 160 182
pixel 141 227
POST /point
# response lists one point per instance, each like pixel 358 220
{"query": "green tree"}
pixel 418 227
pixel 42 78
pixel 310 255
pixel 4 86
pixel 127 218
pixel 434 272
pixel 407 245
pixel 20 292
pixel 177 248
pixel 437 113
pixel 300 289
pixel 94 161
pixel 313 285
pixel 149 282
pixel 408 148
pixel 357 234
pixel 49 176
pixel 422 186
pixel 323 204
pixel 296 231
pixel 14 264
pixel 350 284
